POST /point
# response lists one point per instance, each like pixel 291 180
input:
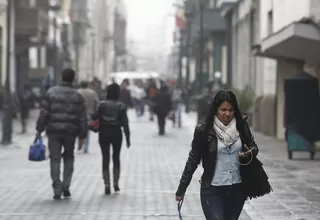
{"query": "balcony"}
pixel 31 20
pixel 297 41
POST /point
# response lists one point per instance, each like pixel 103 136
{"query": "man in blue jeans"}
pixel 63 117
pixel 91 100
pixel 177 101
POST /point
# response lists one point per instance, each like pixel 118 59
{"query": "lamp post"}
pixel 7 117
pixel 55 8
pixel 93 52
pixel 200 76
pixel 189 16
pixel 180 57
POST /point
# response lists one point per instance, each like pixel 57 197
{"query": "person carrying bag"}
pixel 37 150
pixel 227 150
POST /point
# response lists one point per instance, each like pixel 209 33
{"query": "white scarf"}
pixel 228 133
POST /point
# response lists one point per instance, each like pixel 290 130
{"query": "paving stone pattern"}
pixel 151 170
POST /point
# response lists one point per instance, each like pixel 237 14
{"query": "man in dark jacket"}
pixel 125 95
pixel 63 116
pixel 162 107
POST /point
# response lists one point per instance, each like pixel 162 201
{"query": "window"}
pixel 26 3
pixel 213 4
pixel 270 22
pixel 32 3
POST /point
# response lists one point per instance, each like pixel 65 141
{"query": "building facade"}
pixel 246 28
pixel 80 23
pixel 104 45
pixel 271 40
pixel 204 44
pixel 290 36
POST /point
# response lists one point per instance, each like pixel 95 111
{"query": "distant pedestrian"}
pixel 138 95
pixel 177 97
pixel 63 116
pixel 125 95
pixel 25 104
pixel 151 93
pixel 219 143
pixel 112 115
pixel 162 107
pixel 204 105
pixel 91 100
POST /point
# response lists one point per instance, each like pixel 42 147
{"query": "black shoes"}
pixel 116 188
pixel 57 197
pixel 107 190
pixel 66 193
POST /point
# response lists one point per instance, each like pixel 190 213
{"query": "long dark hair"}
pixel 113 91
pixel 220 97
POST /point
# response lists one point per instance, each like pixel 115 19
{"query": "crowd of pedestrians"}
pixel 222 139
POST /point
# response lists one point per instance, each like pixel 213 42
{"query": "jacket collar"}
pixel 66 84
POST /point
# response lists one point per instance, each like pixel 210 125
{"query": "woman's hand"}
pixel 244 154
pixel 179 198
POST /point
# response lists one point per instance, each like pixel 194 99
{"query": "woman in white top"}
pixel 219 143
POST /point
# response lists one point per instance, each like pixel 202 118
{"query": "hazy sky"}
pixel 150 22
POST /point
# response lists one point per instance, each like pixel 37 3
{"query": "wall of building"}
pixel 315 9
pixel 284 13
pixel 268 66
pixel 241 45
pixel 287 11
pixel 100 52
pixel 258 73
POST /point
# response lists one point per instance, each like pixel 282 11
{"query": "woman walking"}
pixel 220 142
pixel 112 115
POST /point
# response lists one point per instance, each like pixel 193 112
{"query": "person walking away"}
pixel 112 115
pixel 204 105
pixel 162 107
pixel 25 104
pixel 177 101
pixel 138 94
pixel 2 101
pixel 63 116
pixel 91 101
pixel 125 95
pixel 96 86
pixel 219 143
pixel 152 91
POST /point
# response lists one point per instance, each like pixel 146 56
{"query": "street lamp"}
pixel 190 15
pixel 201 47
pixel 93 52
pixel 7 117
pixel 55 8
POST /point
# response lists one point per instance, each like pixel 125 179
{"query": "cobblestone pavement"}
pixel 151 169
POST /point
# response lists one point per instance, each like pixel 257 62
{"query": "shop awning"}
pixel 299 40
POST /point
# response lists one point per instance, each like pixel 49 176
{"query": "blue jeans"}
pixel 139 105
pixel 222 202
pixel 177 106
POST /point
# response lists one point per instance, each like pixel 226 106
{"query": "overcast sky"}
pixel 151 22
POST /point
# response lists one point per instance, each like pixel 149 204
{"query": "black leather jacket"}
pixel 203 149
pixel 113 114
pixel 63 111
